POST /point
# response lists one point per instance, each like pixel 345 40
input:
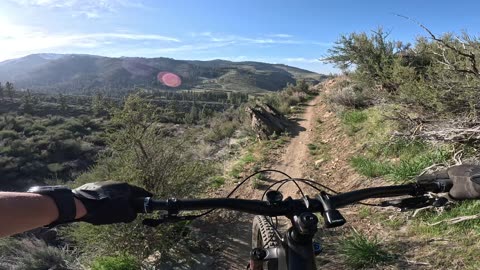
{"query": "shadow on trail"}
pixel 230 232
pixel 295 127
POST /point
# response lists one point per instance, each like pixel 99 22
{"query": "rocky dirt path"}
pixel 296 154
pixel 236 238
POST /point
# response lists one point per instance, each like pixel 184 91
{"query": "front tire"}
pixel 264 236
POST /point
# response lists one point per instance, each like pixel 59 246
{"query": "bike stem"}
pixel 299 242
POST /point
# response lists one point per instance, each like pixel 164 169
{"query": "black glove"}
pixel 109 202
pixel 466 182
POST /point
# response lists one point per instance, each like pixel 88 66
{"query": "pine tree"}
pixel 27 102
pixel 98 104
pixel 9 90
pixel 62 101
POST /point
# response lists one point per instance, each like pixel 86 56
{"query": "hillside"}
pixel 83 74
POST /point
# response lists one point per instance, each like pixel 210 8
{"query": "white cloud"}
pixel 46 3
pixel 274 60
pixel 191 48
pixel 301 60
pixel 17 40
pixel 261 39
pixel 130 36
pixel 88 8
pixel 281 35
pixel 239 39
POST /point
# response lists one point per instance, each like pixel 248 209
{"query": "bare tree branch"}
pixel 472 58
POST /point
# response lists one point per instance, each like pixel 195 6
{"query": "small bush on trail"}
pixel 217 181
pixel 353 119
pixel 361 252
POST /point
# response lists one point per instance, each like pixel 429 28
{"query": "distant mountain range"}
pixel 84 74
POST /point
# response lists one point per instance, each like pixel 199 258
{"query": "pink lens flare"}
pixel 169 79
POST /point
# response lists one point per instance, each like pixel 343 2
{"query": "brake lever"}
pixel 415 202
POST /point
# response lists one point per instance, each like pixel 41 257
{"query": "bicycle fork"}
pixel 297 246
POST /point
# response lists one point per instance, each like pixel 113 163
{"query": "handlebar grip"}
pixel 466 184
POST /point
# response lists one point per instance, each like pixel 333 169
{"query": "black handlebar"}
pixel 351 197
pixel 290 206
pixel 256 207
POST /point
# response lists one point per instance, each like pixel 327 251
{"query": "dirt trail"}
pixel 235 234
pixel 296 154
pixel 318 125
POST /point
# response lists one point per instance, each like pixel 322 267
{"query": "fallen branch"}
pixel 457 157
pixel 438 240
pixel 431 167
pixel 459 135
pixel 422 209
pixel 456 220
pixel 417 263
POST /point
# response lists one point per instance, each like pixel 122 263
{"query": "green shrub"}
pixel 410 159
pixel 464 208
pixel 33 254
pixel 422 74
pixel 75 126
pixel 400 148
pixel 312 146
pixel 362 252
pixel 293 100
pixel 58 134
pixel 290 96
pixel 217 181
pixel 353 120
pixel 351 96
pixel 166 166
pixel 411 166
pixel 354 117
pixel 54 120
pixel 370 167
pixel 20 148
pixel 261 176
pixel 95 138
pixel 55 167
pixel 9 134
pixel 35 129
pixel 220 131
pixel 248 158
pixel 372 55
pixel 123 262
pixel 20 123
pixel 237 169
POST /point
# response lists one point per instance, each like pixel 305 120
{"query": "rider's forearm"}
pixel 21 212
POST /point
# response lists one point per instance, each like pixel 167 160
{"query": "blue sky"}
pixel 296 33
